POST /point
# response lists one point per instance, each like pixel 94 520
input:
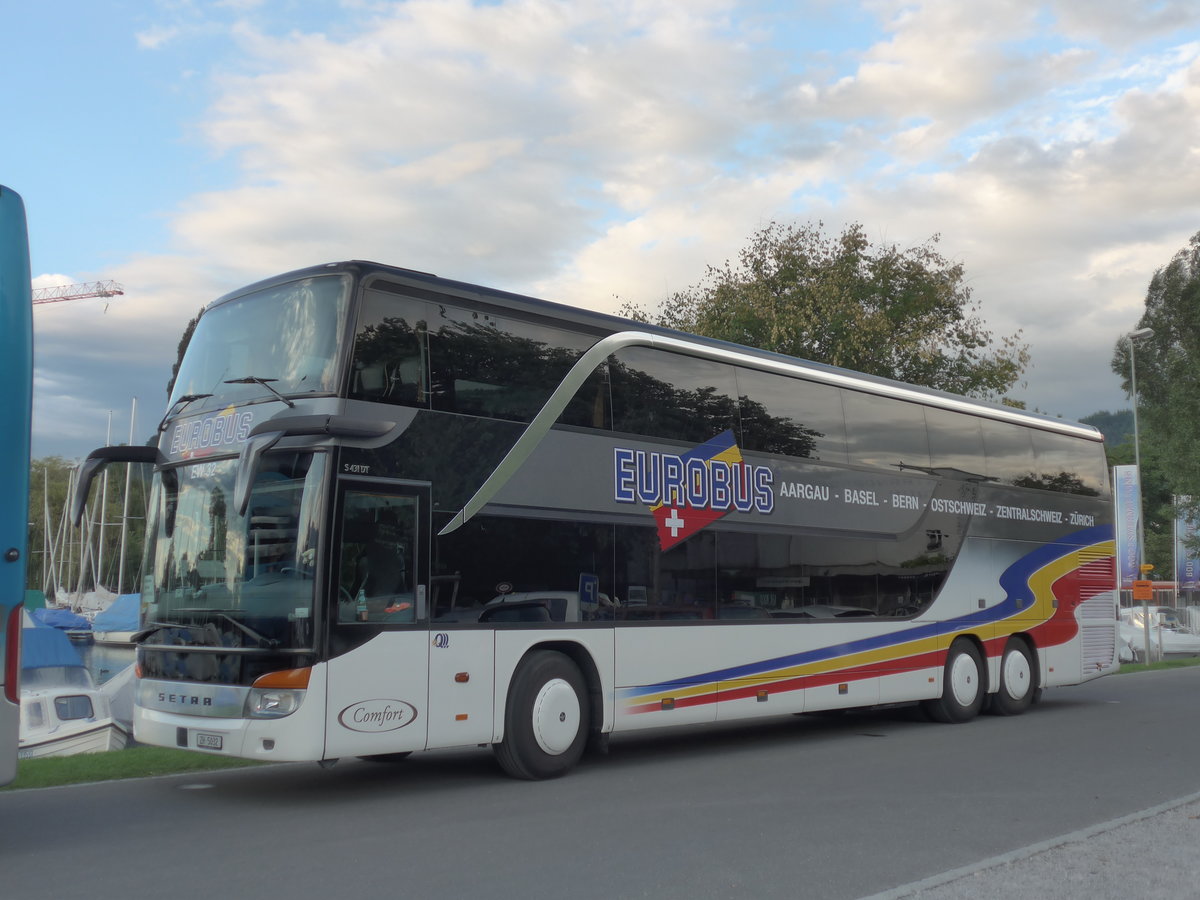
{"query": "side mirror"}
pixel 267 434
pixel 97 460
pixel 247 467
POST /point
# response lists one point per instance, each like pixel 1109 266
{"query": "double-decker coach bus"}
pixel 16 397
pixel 393 512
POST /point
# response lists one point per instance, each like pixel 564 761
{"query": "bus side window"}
pixel 1069 465
pixel 591 407
pixel 670 395
pixel 1009 450
pixel 375 579
pixel 955 445
pixel 499 367
pixel 883 433
pixel 790 416
pixel 389 351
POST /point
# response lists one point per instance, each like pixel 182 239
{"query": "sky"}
pixel 589 152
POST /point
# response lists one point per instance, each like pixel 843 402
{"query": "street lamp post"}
pixel 1133 337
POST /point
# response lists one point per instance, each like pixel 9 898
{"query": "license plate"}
pixel 208 741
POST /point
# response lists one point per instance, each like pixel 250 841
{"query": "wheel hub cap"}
pixel 1016 675
pixel 964 680
pixel 556 716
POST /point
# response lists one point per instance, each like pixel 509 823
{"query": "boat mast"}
pixel 125 504
pixel 48 541
pixel 98 559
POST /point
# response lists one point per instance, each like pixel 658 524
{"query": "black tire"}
pixel 546 719
pixel 1018 680
pixel 963 685
pixel 387 757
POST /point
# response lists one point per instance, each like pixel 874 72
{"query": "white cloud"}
pixel 156 37
pixel 1120 23
pixel 40 282
pixel 594 150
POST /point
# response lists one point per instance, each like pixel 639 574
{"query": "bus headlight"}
pixel 277 694
pixel 272 703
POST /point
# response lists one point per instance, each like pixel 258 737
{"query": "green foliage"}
pixel 1168 386
pixel 902 314
pixel 132 762
pixel 1117 427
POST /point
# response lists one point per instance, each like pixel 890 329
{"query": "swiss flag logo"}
pixel 678 523
pixel 678 520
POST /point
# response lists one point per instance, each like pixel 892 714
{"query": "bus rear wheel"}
pixel 1018 680
pixel 962 686
pixel 546 719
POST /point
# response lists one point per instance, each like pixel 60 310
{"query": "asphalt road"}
pixel 843 807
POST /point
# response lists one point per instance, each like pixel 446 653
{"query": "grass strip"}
pixel 132 762
pixel 1126 668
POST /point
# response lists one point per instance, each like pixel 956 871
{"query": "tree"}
pixel 186 339
pixel 903 314
pixel 1168 383
pixel 1116 426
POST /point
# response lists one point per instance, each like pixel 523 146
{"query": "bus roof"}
pixel 605 323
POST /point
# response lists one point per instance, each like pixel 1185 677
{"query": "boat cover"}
pixel 43 647
pixel 122 615
pixel 61 618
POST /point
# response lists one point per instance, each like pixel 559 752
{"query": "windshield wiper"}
pixel 265 382
pixel 180 403
pixel 152 628
pixel 264 642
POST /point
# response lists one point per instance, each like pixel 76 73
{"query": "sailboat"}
pixel 119 622
pixel 91 567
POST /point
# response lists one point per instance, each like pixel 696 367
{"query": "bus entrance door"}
pixel 379 632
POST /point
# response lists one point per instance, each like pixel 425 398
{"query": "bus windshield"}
pixel 243 580
pixel 287 336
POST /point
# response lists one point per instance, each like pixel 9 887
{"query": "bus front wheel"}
pixel 962 686
pixel 545 722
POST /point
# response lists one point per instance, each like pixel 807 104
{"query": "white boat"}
pixel 1169 638
pixel 62 710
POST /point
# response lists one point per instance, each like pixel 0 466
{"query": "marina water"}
pixel 105 660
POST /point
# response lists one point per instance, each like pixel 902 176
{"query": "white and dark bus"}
pixel 393 512
pixel 16 398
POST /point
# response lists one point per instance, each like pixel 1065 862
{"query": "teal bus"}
pixel 16 401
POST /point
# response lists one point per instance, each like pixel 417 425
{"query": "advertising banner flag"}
pixel 1187 561
pixel 1128 498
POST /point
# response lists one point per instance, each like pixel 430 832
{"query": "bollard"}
pixel 1146 629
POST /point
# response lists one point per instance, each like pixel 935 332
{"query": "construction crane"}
pixel 77 292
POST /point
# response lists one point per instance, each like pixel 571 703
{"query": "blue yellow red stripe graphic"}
pixel 1042 591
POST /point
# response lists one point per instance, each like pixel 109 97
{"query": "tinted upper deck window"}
pixel 1009 449
pixel 886 433
pixel 791 416
pixel 956 445
pixel 669 395
pixel 1070 465
pixel 427 353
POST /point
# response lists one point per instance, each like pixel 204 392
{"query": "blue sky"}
pixel 587 151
